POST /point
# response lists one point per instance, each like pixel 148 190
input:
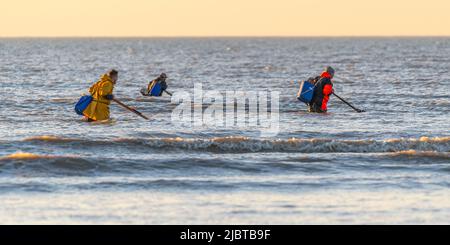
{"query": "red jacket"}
pixel 327 91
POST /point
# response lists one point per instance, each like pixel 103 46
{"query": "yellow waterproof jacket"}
pixel 98 110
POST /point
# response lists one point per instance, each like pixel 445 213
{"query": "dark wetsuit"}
pixel 324 88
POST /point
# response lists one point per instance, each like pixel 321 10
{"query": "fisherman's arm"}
pixel 164 86
pixel 106 91
pixel 328 89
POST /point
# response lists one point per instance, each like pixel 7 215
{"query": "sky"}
pixel 167 18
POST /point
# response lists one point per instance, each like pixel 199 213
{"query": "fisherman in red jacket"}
pixel 324 88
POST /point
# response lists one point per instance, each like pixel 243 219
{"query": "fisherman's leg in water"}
pixel 87 119
pixel 314 108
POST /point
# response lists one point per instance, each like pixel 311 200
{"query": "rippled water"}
pixel 389 165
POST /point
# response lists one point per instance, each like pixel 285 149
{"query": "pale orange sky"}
pixel 224 18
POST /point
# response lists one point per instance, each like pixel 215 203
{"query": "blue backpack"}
pixel 306 92
pixel 156 90
pixel 82 104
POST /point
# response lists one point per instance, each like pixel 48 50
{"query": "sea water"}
pixel 390 165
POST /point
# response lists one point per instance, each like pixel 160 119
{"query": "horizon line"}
pixel 231 36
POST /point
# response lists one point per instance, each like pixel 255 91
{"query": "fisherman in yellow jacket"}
pixel 102 93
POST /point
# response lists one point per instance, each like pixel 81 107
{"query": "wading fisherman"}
pixel 102 94
pixel 156 87
pixel 322 92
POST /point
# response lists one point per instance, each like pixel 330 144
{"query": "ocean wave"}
pixel 50 138
pixel 237 144
pixel 422 154
pixel 50 163
pixel 21 155
pixel 37 165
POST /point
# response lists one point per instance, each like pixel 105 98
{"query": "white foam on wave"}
pixel 246 144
